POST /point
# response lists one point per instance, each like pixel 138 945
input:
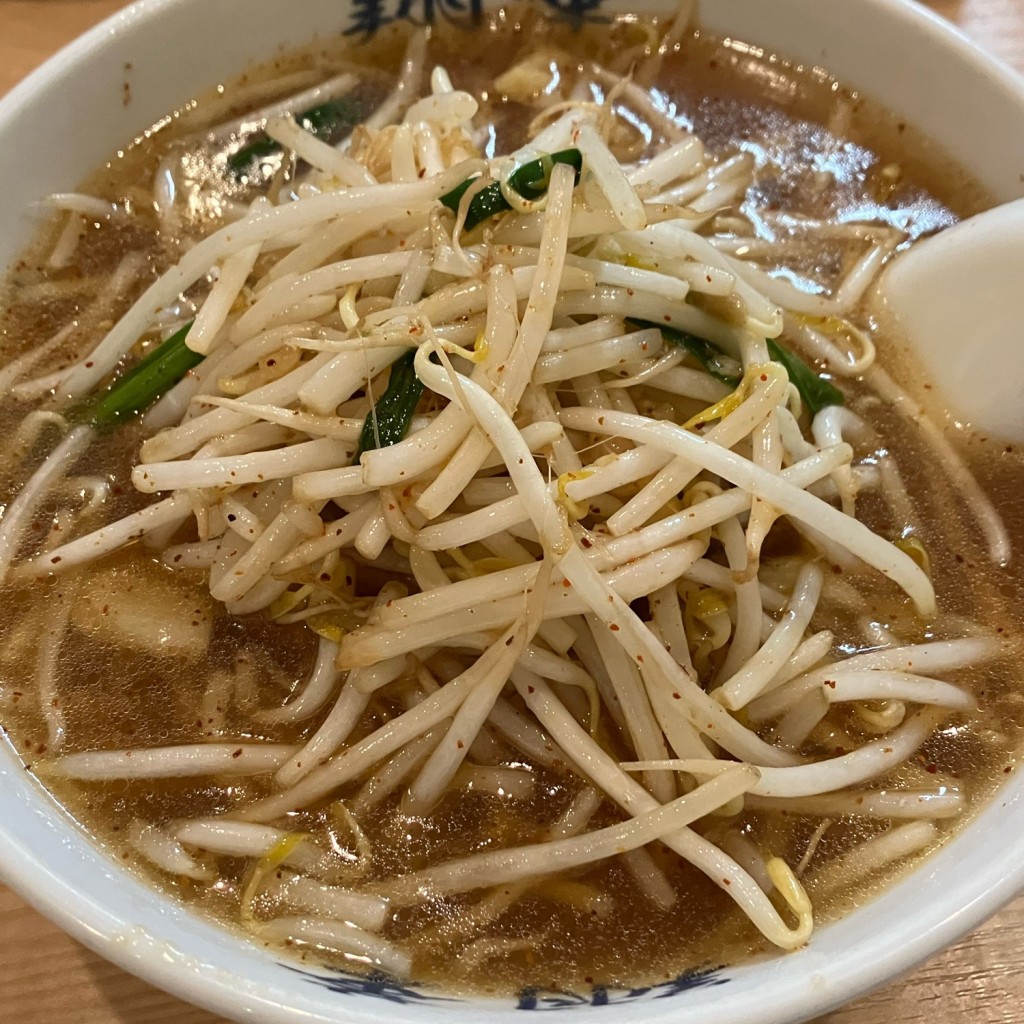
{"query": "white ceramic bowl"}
pixel 64 120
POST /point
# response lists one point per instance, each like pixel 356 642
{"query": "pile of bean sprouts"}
pixel 574 522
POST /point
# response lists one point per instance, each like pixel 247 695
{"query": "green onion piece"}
pixel 391 415
pixel 329 121
pixel 153 375
pixel 721 366
pixel 815 392
pixel 248 160
pixel 530 181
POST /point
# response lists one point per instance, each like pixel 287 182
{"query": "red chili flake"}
pixel 614 627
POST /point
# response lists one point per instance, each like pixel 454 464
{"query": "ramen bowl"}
pixel 113 83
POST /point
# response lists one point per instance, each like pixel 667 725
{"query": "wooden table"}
pixel 47 977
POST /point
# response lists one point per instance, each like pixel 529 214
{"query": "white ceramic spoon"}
pixel 959 298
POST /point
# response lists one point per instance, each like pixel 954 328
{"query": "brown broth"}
pixel 596 927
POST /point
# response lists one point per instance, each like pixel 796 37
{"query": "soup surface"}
pixel 799 179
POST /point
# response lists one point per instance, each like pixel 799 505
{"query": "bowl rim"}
pixel 153 956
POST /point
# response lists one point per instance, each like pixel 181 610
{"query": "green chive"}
pixel 389 419
pixel 721 366
pixel 530 180
pixel 330 121
pixel 815 392
pixel 137 389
